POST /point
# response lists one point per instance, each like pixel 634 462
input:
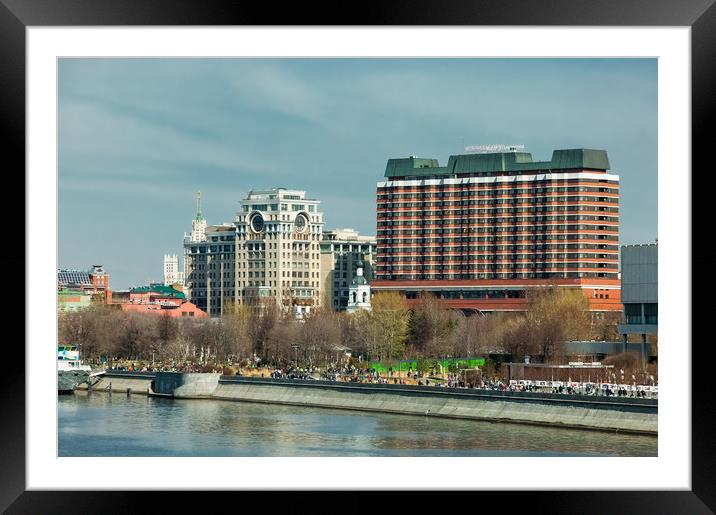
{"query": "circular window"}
pixel 257 222
pixel 301 223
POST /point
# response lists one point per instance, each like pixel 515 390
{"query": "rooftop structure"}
pixel 69 278
pixel 490 163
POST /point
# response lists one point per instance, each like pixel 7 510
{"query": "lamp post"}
pixel 295 349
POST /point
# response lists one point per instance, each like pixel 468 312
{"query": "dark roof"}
pixel 568 159
pixel 73 277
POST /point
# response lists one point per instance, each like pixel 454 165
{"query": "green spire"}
pixel 198 206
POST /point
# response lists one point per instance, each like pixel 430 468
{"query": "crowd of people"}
pixel 454 381
pixel 185 367
pixel 607 390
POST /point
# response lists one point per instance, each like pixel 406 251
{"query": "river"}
pixel 99 425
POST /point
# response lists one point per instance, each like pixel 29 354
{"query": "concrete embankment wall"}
pixel 137 383
pixel 182 385
pixel 627 415
pixel 170 384
pixel 585 412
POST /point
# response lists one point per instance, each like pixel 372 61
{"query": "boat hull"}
pixel 67 380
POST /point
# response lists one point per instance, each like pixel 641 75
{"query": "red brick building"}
pixel 93 282
pixel 481 231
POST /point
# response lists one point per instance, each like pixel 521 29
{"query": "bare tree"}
pixel 280 338
pixel 221 341
pixel 264 317
pixel 515 336
pixel 554 316
pixel 470 335
pixel 138 334
pixel 388 326
pixel 356 331
pixel 605 326
pixel 72 326
pixel 177 350
pixel 239 320
pixel 320 333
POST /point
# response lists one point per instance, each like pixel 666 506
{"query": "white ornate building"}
pixel 269 255
pixel 172 275
pixel 198 225
pixel 278 234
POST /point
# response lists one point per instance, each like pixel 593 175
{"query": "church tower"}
pixel 359 292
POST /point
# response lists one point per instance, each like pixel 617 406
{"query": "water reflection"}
pixel 102 425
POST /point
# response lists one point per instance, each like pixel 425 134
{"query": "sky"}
pixel 137 138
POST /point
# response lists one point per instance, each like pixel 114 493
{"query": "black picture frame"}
pixel 699 15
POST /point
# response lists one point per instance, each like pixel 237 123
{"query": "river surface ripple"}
pixel 99 424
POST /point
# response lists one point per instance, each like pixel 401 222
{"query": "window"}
pixel 651 313
pixel 632 313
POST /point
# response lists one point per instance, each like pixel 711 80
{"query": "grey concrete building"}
pixel 342 250
pixel 640 292
pixel 210 267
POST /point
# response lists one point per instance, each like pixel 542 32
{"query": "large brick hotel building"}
pixel 481 231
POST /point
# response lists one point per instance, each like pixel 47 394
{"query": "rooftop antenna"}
pixel 494 148
pixel 198 205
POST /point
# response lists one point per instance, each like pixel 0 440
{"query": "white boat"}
pixel 70 370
